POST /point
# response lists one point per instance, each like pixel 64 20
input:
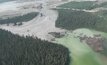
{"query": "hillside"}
pixel 18 20
pixel 79 5
pixel 87 27
pixel 16 50
pixel 69 32
pixel 73 19
pixel 86 5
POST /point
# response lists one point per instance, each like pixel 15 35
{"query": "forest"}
pixel 17 50
pixel 88 5
pixel 104 4
pixel 19 19
pixel 72 19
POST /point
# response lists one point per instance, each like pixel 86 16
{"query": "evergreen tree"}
pixel 16 50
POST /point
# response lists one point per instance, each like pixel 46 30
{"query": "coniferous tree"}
pixel 16 50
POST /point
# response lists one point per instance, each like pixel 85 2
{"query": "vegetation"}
pixel 19 19
pixel 73 19
pixel 104 4
pixel 16 50
pixel 81 53
pixel 102 13
pixel 80 5
pixel 88 5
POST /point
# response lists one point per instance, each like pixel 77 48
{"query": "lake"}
pixel 2 1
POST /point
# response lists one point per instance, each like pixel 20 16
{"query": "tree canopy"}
pixel 16 50
pixel 73 19
pixel 19 19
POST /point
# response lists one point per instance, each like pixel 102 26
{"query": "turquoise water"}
pixel 2 1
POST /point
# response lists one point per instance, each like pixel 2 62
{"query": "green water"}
pixel 81 53
pixel 2 1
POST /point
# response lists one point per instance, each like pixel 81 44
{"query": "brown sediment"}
pixel 94 42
